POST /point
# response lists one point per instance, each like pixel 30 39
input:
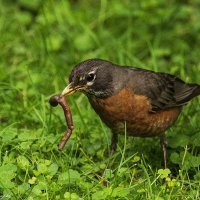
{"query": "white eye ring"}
pixel 90 78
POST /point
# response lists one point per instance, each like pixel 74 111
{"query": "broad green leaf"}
pixel 23 162
pixel 175 158
pixel 36 190
pixel 39 188
pixel 25 145
pixel 8 134
pixel 71 196
pixel 102 194
pixel 136 159
pixel 7 173
pixel 52 169
pixel 42 168
pixel 23 188
pixel 164 172
pixel 179 140
pixel 32 180
pixel 120 192
pixel 70 176
pixel 122 171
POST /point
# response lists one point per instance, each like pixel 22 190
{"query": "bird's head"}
pixel 92 77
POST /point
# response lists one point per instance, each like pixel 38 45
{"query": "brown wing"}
pixel 164 90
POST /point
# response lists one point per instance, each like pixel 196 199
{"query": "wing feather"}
pixel 164 90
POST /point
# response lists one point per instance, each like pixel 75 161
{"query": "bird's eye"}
pixel 90 77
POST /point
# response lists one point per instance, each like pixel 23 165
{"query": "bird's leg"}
pixel 114 141
pixel 163 142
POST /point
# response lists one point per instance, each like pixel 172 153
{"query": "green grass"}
pixel 40 42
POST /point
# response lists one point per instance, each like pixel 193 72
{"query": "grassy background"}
pixel 40 42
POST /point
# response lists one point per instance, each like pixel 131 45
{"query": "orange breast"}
pixel 134 110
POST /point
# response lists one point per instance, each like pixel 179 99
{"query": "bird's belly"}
pixel 131 113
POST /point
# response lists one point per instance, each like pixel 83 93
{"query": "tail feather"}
pixel 188 93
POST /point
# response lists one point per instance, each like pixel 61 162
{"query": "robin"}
pixel 144 102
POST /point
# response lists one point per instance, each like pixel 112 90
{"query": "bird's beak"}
pixel 70 89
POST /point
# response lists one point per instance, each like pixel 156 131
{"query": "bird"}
pixel 145 102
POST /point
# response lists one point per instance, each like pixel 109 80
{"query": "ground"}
pixel 40 42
